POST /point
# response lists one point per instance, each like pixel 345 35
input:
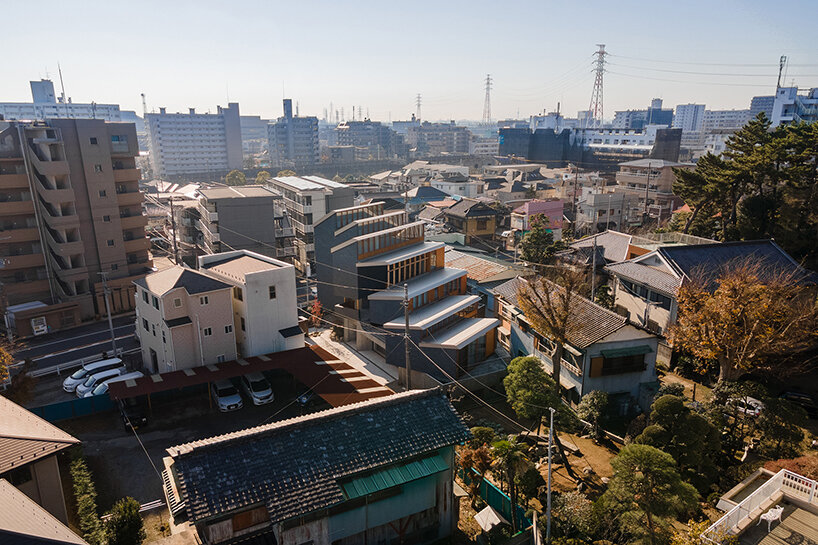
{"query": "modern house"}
pixel 473 218
pixel 265 311
pixel 551 209
pixel 23 522
pixel 378 471
pixel 604 352
pixel 370 262
pixel 184 319
pixel 483 274
pixel 29 451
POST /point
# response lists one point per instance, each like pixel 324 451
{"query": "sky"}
pixel 379 55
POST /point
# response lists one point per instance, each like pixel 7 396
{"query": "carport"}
pixel 335 381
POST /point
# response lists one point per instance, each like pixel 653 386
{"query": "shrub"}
pixel 85 495
pixel 124 527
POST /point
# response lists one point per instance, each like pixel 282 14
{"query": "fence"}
pixel 73 408
pixel 500 502
pixel 787 482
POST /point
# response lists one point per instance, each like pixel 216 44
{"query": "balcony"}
pixel 26 234
pixel 26 261
pixel 129 198
pixel 127 175
pixel 58 222
pixel 55 196
pixel 285 252
pixel 29 287
pixel 71 274
pixel 49 168
pixel 12 208
pixel 207 214
pixel 133 222
pixel 137 245
pixel 63 249
pixel 18 181
pixel 282 232
pixel 121 148
pixel 206 232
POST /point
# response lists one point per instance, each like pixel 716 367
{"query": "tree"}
pixel 574 513
pixel 604 297
pixel 780 426
pixel 5 363
pixel 262 177
pixel 648 491
pixel 510 460
pixel 235 177
pixel 483 435
pixel 692 535
pixel 85 495
pixel 538 244
pixel 477 459
pixel 592 408
pixel 529 389
pixel 21 389
pixel 756 319
pixel 687 436
pixel 671 388
pixel 316 313
pixel 124 526
pixel 803 465
pixel 283 173
pixel 700 188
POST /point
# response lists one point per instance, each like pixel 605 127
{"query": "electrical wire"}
pixel 718 74
pixel 697 63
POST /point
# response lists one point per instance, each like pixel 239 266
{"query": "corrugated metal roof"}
pixel 393 476
pixel 23 521
pixel 25 437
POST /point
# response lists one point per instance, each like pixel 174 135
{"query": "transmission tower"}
pixel 417 103
pixel 596 96
pixel 487 102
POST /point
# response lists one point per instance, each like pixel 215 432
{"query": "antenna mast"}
pixel 62 90
pixel 144 106
pixel 487 102
pixel 596 96
pixel 782 62
pixel 417 103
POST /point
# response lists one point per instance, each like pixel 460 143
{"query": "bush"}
pixel 670 388
pixel 483 435
pixel 803 465
pixel 124 527
pixel 85 495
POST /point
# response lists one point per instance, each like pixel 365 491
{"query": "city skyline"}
pixel 367 55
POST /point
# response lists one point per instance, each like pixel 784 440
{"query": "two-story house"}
pixel 604 352
pixel 473 218
pixel 265 311
pixel 184 319
pixel 378 471
pixel 551 209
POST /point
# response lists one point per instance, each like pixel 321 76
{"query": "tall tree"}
pixel 699 188
pixel 647 489
pixel 262 176
pixel 755 319
pixel 510 459
pixel 124 526
pixel 592 408
pixel 538 245
pixel 235 177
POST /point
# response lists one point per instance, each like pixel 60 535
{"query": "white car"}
pixel 226 396
pixel 80 375
pixel 257 387
pixel 100 389
pixel 98 378
pixel 749 406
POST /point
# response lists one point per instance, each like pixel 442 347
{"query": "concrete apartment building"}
pixel 184 319
pixel 292 141
pixel 433 139
pixel 70 211
pixel 249 217
pixel 366 255
pixel 378 140
pixel 265 311
pixel 47 105
pixel 725 119
pixel 761 104
pixel 790 107
pixel 650 179
pixel 639 119
pixel 307 199
pixel 195 143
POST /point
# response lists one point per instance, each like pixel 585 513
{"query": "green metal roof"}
pixel 627 351
pixel 393 476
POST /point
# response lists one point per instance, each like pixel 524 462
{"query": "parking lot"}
pixel 122 467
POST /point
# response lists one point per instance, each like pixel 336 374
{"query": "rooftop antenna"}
pixel 62 90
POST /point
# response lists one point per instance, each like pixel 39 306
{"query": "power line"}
pixel 697 63
pixel 638 76
pixel 718 74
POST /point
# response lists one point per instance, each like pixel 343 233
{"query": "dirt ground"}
pixel 703 394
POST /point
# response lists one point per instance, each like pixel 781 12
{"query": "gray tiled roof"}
pixel 470 207
pixel 645 275
pixel 613 243
pixel 588 322
pixel 293 466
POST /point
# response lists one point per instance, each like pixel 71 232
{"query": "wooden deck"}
pixel 797 527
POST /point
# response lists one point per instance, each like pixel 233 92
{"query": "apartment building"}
pixel 265 311
pixel 433 139
pixel 70 212
pixel 725 119
pixel 194 143
pixel 371 261
pixel 651 180
pixel 184 319
pixel 638 119
pixel 307 199
pixel 484 146
pixel 47 105
pixel 249 217
pixel 790 107
pixel 292 141
pixel 378 140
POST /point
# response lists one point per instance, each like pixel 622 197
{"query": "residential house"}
pixel 379 471
pixel 24 522
pixel 29 452
pixel 604 352
pixel 473 218
pixel 184 319
pixel 651 180
pixel 483 274
pixel 456 184
pixel 551 209
pixel 418 197
pixel 265 310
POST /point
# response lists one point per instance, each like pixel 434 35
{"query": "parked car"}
pixel 749 406
pixel 80 375
pixel 805 401
pixel 133 412
pixel 102 388
pixel 98 378
pixel 226 396
pixel 257 388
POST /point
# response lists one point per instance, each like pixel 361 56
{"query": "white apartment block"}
pixel 45 105
pixel 725 119
pixel 689 117
pixel 184 319
pixel 484 146
pixel 193 142
pixel 790 107
pixel 265 312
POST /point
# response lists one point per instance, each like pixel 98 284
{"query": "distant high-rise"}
pixel 194 143
pixel 46 105
pixel 762 104
pixel 689 117
pixel 293 140
pixel 376 139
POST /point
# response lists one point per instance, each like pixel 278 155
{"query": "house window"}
pixel 242 325
pixel 155 302
pixel 145 324
pixel 177 302
pixel 145 296
pixel 106 219
pixel 102 193
pixel 228 328
pixel 207 332
pixel 97 168
pixel 625 364
pixel 110 242
pixel 203 300
pixel 238 293
pixel 482 224
pixel 220 358
pixel 153 329
pixel 114 267
pixel 93 141
pixel 164 340
pixel 272 292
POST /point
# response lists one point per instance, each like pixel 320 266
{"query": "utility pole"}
pixel 106 293
pixel 548 505
pixel 574 197
pixel 173 226
pixel 406 336
pixel 647 188
pixel 593 272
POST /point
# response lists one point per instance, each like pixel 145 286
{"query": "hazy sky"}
pixel 380 54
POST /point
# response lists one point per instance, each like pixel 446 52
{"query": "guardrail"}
pixel 58 369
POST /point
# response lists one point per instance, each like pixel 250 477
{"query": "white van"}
pixel 98 378
pixel 100 389
pixel 80 375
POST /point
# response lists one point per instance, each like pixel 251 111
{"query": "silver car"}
pixel 226 396
pixel 257 388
